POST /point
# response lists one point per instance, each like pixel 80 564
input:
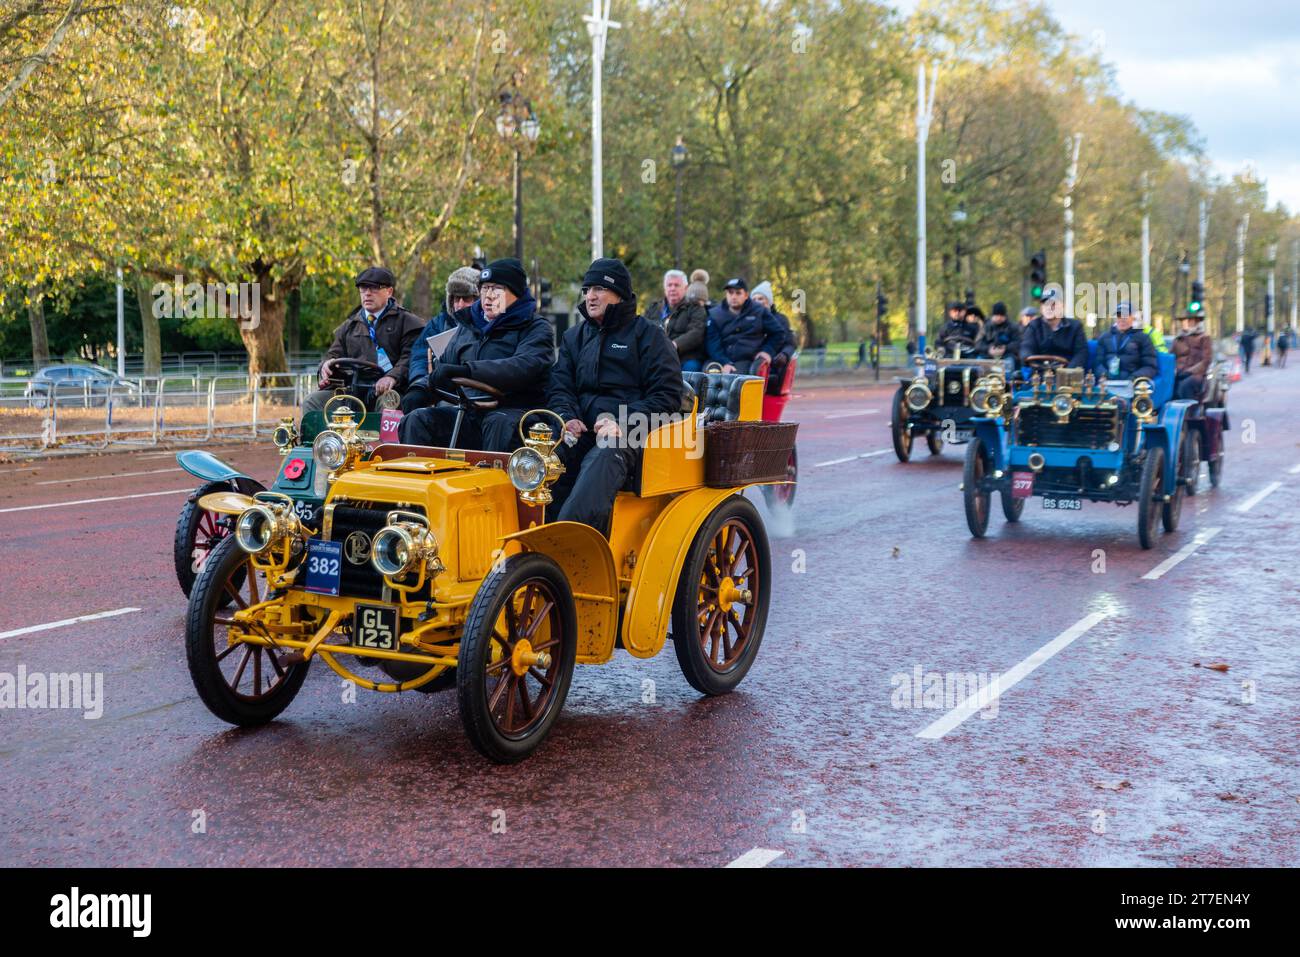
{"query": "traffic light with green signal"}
pixel 1197 306
pixel 1037 274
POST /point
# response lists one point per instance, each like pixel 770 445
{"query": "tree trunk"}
pixel 292 328
pixel 265 340
pixel 36 318
pixel 150 327
pixel 420 300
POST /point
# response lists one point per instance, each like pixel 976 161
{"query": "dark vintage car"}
pixel 1066 437
pixel 940 400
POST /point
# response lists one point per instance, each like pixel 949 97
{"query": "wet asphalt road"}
pixel 1116 749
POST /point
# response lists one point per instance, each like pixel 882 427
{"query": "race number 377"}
pixel 324 561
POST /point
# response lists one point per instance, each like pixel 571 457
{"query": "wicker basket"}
pixel 738 453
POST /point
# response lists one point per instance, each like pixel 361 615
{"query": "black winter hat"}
pixel 609 274
pixel 376 276
pixel 999 309
pixel 506 272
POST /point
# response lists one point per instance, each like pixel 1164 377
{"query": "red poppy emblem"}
pixel 294 469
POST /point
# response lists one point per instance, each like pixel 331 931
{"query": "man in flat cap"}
pixel 379 330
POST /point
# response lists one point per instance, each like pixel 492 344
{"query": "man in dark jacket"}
pixel 1051 334
pixel 962 329
pixel 615 370
pixel 1001 337
pixel 1125 352
pixel 501 341
pixel 461 293
pixel 683 320
pixel 742 335
pixel 379 331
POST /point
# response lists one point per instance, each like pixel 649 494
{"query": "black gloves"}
pixel 444 372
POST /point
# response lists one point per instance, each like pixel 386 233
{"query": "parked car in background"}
pixel 71 384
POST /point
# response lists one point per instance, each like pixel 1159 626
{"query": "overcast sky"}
pixel 1233 67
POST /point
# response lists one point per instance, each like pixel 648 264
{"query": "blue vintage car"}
pixel 1066 437
pixel 198 530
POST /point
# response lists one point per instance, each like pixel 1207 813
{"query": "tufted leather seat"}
pixel 719 394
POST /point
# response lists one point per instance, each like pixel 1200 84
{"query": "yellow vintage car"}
pixel 437 568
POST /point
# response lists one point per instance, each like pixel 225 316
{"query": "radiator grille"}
pixel 1087 428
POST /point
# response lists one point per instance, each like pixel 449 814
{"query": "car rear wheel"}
pixel 243 684
pixel 1012 507
pixel 198 532
pixel 720 609
pixel 1151 496
pixel 1193 473
pixel 978 465
pixel 898 427
pixel 509 698
pixel 1172 510
pixel 1216 467
pixel 935 442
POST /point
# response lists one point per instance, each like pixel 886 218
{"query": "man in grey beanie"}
pixel 461 293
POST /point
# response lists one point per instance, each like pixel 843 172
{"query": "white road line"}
pixel 92 478
pixel 67 621
pixel 1183 553
pixel 93 501
pixel 758 857
pixel 852 458
pixel 849 415
pixel 1259 496
pixel 1010 679
pixel 1293 470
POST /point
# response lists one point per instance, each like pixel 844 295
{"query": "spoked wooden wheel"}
pixel 898 430
pixel 1151 496
pixel 720 609
pixel 241 683
pixel 978 465
pixel 516 657
pixel 197 533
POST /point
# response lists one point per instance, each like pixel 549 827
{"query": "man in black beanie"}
pixel 614 370
pixel 1001 337
pixel 502 341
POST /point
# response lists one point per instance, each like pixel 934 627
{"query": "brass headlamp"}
pixel 406 544
pixel 285 436
pixel 989 395
pixel 1064 405
pixel 535 467
pixel 1144 407
pixel 918 395
pixel 268 524
pixel 339 445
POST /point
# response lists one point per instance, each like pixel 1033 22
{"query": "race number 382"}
pixel 376 627
pixel 324 561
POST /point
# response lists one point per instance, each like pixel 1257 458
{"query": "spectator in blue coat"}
pixel 742 336
pixel 1125 352
pixel 461 293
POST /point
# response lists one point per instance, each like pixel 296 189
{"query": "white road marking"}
pixel 852 458
pixel 1009 679
pixel 1183 553
pixel 93 501
pixel 92 478
pixel 67 621
pixel 1259 496
pixel 849 415
pixel 1293 470
pixel 758 857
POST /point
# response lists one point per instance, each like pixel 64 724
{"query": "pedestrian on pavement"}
pixel 1246 343
pixel 502 341
pixel 461 292
pixel 613 367
pixel 379 330
pixel 684 320
pixel 1283 344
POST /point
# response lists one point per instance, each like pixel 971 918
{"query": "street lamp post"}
pixel 515 123
pixel 679 166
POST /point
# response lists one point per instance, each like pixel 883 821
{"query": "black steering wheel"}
pixel 356 377
pixel 472 394
pixel 1046 363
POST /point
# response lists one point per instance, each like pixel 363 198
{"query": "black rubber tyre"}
pixel 784 494
pixel 710 613
pixel 1150 493
pixel 1172 510
pixel 487 685
pixel 898 427
pixel 1012 507
pixel 195 529
pixel 978 465
pixel 1193 473
pixel 1216 467
pixel 934 441
pixel 227 572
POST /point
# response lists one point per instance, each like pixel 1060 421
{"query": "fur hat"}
pixel 462 283
pixel 700 276
pixel 697 292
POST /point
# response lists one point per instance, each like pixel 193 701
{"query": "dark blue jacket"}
pixel 512 353
pixel 419 368
pixel 1137 354
pixel 1067 341
pixel 734 338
